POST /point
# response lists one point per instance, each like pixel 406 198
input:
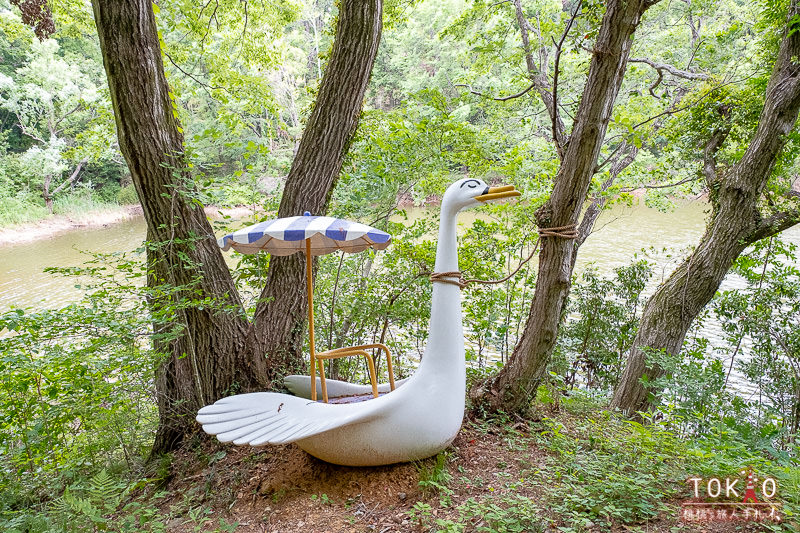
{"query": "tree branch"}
pixel 668 185
pixel 25 131
pixel 498 3
pixel 526 43
pixel 662 67
pixel 538 78
pixel 554 112
pixel 592 212
pixel 669 68
pixel 72 178
pixel 67 114
pixel 679 94
pixel 775 224
pixel 714 144
pixel 212 17
pixel 695 30
pixel 674 110
pixel 498 99
pixel 202 84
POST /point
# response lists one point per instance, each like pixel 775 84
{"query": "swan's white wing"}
pixel 261 418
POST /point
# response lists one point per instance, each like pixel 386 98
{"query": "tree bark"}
pixel 736 222
pixel 513 387
pixel 48 198
pixel 281 316
pixel 203 359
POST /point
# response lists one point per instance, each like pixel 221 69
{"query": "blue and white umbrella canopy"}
pixel 285 236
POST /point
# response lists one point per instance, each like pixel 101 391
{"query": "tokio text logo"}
pixel 725 499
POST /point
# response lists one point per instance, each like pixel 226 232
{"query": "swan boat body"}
pixel 418 419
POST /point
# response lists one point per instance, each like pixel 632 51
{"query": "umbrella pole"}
pixel 310 289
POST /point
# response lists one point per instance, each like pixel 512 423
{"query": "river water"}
pixel 620 232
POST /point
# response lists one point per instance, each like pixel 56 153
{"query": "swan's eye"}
pixel 471 185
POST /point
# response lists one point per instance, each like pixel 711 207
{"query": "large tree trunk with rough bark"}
pixel 214 350
pixel 203 353
pixel 512 388
pixel 735 223
pixel 280 318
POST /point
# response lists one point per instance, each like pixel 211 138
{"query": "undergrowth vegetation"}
pixel 598 472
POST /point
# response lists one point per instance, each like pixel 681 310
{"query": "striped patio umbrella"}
pixel 312 235
pixel 285 236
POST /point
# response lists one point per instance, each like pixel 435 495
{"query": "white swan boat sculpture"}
pixel 418 419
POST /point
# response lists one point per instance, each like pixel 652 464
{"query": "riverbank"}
pixel 108 215
pixel 59 224
pixel 55 225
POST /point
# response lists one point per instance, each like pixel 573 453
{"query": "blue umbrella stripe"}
pixel 253 236
pixel 297 229
pixel 378 236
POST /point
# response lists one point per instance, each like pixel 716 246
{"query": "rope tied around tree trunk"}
pixel 564 232
pixel 570 231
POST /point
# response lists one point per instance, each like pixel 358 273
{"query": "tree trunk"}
pixel 48 180
pixel 72 180
pixel 281 315
pixel 204 357
pixel 48 198
pixel 514 385
pixel 735 223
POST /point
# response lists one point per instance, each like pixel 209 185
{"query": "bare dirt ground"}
pixel 284 490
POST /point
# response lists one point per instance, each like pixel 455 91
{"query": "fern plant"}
pixel 88 509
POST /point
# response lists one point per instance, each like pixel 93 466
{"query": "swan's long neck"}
pixel 445 335
pixel 447 249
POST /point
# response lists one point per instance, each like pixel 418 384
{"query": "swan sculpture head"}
pixel 471 192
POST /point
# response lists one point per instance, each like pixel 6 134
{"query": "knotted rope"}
pixel 569 231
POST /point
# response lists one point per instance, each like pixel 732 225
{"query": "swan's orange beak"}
pixel 495 193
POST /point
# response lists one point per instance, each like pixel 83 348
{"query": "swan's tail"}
pixel 301 386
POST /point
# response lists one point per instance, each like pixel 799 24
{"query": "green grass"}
pixel 14 211
pixel 434 475
pixel 29 208
pixel 79 202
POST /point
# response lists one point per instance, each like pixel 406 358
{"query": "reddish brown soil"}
pixel 282 489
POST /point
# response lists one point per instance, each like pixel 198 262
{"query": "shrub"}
pixel 127 195
pixel 75 389
pixel 22 208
